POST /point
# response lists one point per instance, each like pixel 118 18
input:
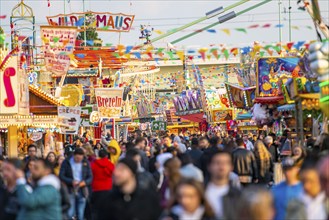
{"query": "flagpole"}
pixel 84 24
pixel 280 29
pixel 289 21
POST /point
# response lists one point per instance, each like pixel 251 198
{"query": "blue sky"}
pixel 166 15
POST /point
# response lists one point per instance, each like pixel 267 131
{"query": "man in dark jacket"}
pixel 76 174
pixel 244 163
pixel 195 153
pixel 207 154
pixel 126 201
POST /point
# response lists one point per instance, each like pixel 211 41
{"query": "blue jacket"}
pixel 283 194
pixel 44 202
pixel 66 173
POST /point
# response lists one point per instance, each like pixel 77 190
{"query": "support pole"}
pixel 12 141
pixel 217 23
pixel 280 29
pixel 194 22
pixel 289 20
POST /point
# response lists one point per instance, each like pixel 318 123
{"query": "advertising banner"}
pixel 8 87
pixel 70 117
pixel 58 44
pixel 109 102
pixel 101 21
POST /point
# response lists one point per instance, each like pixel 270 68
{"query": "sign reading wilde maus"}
pixel 102 21
pixel 58 44
pixel 109 102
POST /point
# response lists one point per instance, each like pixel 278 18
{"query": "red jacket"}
pixel 102 174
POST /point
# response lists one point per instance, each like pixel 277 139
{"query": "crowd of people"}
pixel 183 177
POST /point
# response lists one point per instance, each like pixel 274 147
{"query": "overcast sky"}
pixel 165 15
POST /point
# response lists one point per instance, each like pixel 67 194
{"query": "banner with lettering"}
pixel 8 85
pixel 58 44
pixel 109 102
pixel 70 117
pixel 101 21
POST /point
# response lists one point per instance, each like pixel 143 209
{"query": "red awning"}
pixel 197 117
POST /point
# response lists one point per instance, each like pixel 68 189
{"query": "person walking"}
pixel 195 153
pixel 126 200
pixel 190 203
pixel 44 201
pixel 102 170
pixel 188 170
pixel 264 163
pixel 287 190
pixel 244 164
pixel 220 191
pixel 77 175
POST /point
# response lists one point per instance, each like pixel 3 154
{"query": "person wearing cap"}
pixel 287 190
pixel 77 175
pixel 126 200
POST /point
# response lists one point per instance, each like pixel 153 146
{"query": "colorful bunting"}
pixel 266 26
pixel 241 30
pixel 254 26
pixel 212 31
pixel 226 31
pixel 180 54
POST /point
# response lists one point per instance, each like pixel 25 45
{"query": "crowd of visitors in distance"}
pixel 185 177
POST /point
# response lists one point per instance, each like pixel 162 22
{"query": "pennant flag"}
pixel 158 32
pixel 137 55
pixel 2 38
pixel 116 55
pixel 80 55
pixel 198 31
pixel 156 60
pixel 79 23
pixel 3 16
pixel 128 49
pixel 120 47
pixel 289 45
pixel 234 51
pixel 212 31
pixel 279 25
pixel 202 52
pixel 226 31
pixel 171 55
pixel 262 53
pixel 277 49
pixel 127 55
pixel 71 56
pixel 180 54
pixel 295 27
pixel 226 54
pixel 214 52
pixel 267 47
pixel 241 30
pixel 90 42
pixel 150 55
pixel 254 26
pixel 191 51
pixel 266 26
pixel 299 44
pixel 48 3
pixel 209 56
pixel 270 52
